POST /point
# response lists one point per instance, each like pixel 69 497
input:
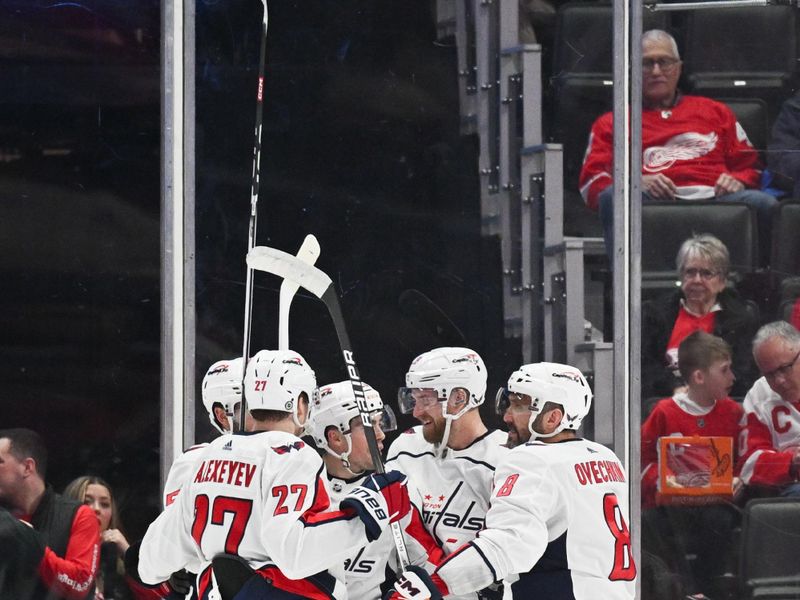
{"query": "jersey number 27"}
pixel 240 508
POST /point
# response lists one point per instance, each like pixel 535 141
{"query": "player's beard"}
pixel 433 432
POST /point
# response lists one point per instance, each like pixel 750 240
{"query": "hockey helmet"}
pixel 275 379
pixel 443 370
pixel 335 405
pixel 222 384
pixel 552 382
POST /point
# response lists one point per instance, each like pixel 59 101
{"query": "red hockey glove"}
pixel 393 487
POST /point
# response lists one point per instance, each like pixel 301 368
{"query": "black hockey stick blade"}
pixel 231 572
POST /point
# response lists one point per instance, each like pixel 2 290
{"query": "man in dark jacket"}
pixel 49 546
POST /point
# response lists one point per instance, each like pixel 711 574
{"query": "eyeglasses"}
pixel 665 65
pixel 783 370
pixel 705 274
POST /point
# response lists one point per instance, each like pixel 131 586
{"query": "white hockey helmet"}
pixel 275 379
pixel 443 370
pixel 335 405
pixel 557 383
pixel 222 384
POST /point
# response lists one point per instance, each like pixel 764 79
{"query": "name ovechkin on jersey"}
pixel 431 511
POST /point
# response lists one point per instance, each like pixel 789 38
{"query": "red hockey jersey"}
pixel 692 143
pixel 679 416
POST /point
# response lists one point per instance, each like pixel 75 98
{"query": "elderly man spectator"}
pixel 693 148
pixel 49 546
pixel 769 446
pixel 703 302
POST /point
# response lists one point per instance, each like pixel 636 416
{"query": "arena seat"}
pixel 770 542
pixel 665 226
pixel 786 240
pixel 753 117
pixel 746 51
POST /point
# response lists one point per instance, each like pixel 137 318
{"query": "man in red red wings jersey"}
pixel 769 447
pixel 693 148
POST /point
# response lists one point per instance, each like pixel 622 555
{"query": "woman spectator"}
pixel 703 302
pixel 112 583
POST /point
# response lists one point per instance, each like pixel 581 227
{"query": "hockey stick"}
pixel 251 230
pixel 308 253
pixel 282 264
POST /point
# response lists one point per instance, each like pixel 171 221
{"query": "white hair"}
pixel 659 35
pixel 780 329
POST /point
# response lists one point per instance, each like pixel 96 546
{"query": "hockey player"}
pixel 336 426
pixel 222 397
pixel 559 508
pixel 261 496
pixel 450 458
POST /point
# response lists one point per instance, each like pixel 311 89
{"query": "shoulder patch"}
pixel 286 448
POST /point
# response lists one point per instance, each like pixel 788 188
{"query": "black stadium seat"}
pixel 665 226
pixel 770 544
pixel 752 116
pixel 745 51
pixel 786 240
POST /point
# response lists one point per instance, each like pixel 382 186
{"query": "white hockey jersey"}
pixel 263 497
pixel 365 569
pixel 180 472
pixel 454 490
pixel 558 518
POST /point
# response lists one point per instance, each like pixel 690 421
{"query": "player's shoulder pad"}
pixel 410 441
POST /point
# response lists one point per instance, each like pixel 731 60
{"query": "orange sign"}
pixel 695 470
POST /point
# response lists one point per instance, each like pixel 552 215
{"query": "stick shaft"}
pixel 252 226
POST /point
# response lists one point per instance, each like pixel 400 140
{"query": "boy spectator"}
pixel 705 409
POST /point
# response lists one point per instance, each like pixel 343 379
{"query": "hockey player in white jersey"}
pixel 336 426
pixel 222 398
pixel 558 519
pixel 261 496
pixel 450 458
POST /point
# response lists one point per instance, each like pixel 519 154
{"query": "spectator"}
pixel 783 150
pixel 63 540
pixel 703 302
pixel 692 147
pixel 769 447
pixel 112 582
pixel 705 409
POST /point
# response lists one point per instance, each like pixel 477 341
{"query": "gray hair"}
pixel 707 246
pixel 780 329
pixel 659 35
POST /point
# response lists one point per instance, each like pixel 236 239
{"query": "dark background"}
pixel 360 147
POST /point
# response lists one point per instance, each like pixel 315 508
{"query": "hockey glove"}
pixel 370 507
pixel 415 584
pixel 21 547
pixel 393 487
pixel 181 581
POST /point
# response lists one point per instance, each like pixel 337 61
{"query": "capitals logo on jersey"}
pixel 286 448
pixel 435 510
